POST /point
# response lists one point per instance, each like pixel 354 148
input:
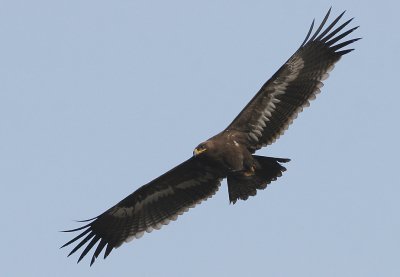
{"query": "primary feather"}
pixel 289 90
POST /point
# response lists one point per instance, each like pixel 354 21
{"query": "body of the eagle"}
pixel 226 149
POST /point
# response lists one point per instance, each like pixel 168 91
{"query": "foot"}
pixel 250 172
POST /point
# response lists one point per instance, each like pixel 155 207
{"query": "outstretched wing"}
pixel 290 89
pixel 151 206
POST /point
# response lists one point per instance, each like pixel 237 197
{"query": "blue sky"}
pixel 99 97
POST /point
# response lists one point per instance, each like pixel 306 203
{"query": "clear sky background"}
pixel 99 97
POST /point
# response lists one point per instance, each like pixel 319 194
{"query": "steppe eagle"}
pixel 229 154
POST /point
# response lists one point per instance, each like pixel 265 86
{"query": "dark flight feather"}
pixel 150 207
pixel 283 97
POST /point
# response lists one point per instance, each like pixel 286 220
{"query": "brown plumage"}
pixel 229 154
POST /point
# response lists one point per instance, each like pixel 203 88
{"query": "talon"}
pixel 250 172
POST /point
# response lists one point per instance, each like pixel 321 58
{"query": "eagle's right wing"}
pixel 290 89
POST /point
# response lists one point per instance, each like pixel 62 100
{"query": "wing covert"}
pixel 266 117
pixel 150 207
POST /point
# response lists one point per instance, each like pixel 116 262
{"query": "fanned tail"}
pixel 268 169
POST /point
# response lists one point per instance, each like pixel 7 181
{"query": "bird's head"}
pixel 202 147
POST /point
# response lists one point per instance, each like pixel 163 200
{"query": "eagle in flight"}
pixel 229 154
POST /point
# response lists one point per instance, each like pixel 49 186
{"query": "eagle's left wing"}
pixel 290 89
pixel 151 206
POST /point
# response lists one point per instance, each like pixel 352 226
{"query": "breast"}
pixel 231 151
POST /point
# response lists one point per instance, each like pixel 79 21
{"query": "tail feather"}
pixel 268 169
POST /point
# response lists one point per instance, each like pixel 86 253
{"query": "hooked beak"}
pixel 198 151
